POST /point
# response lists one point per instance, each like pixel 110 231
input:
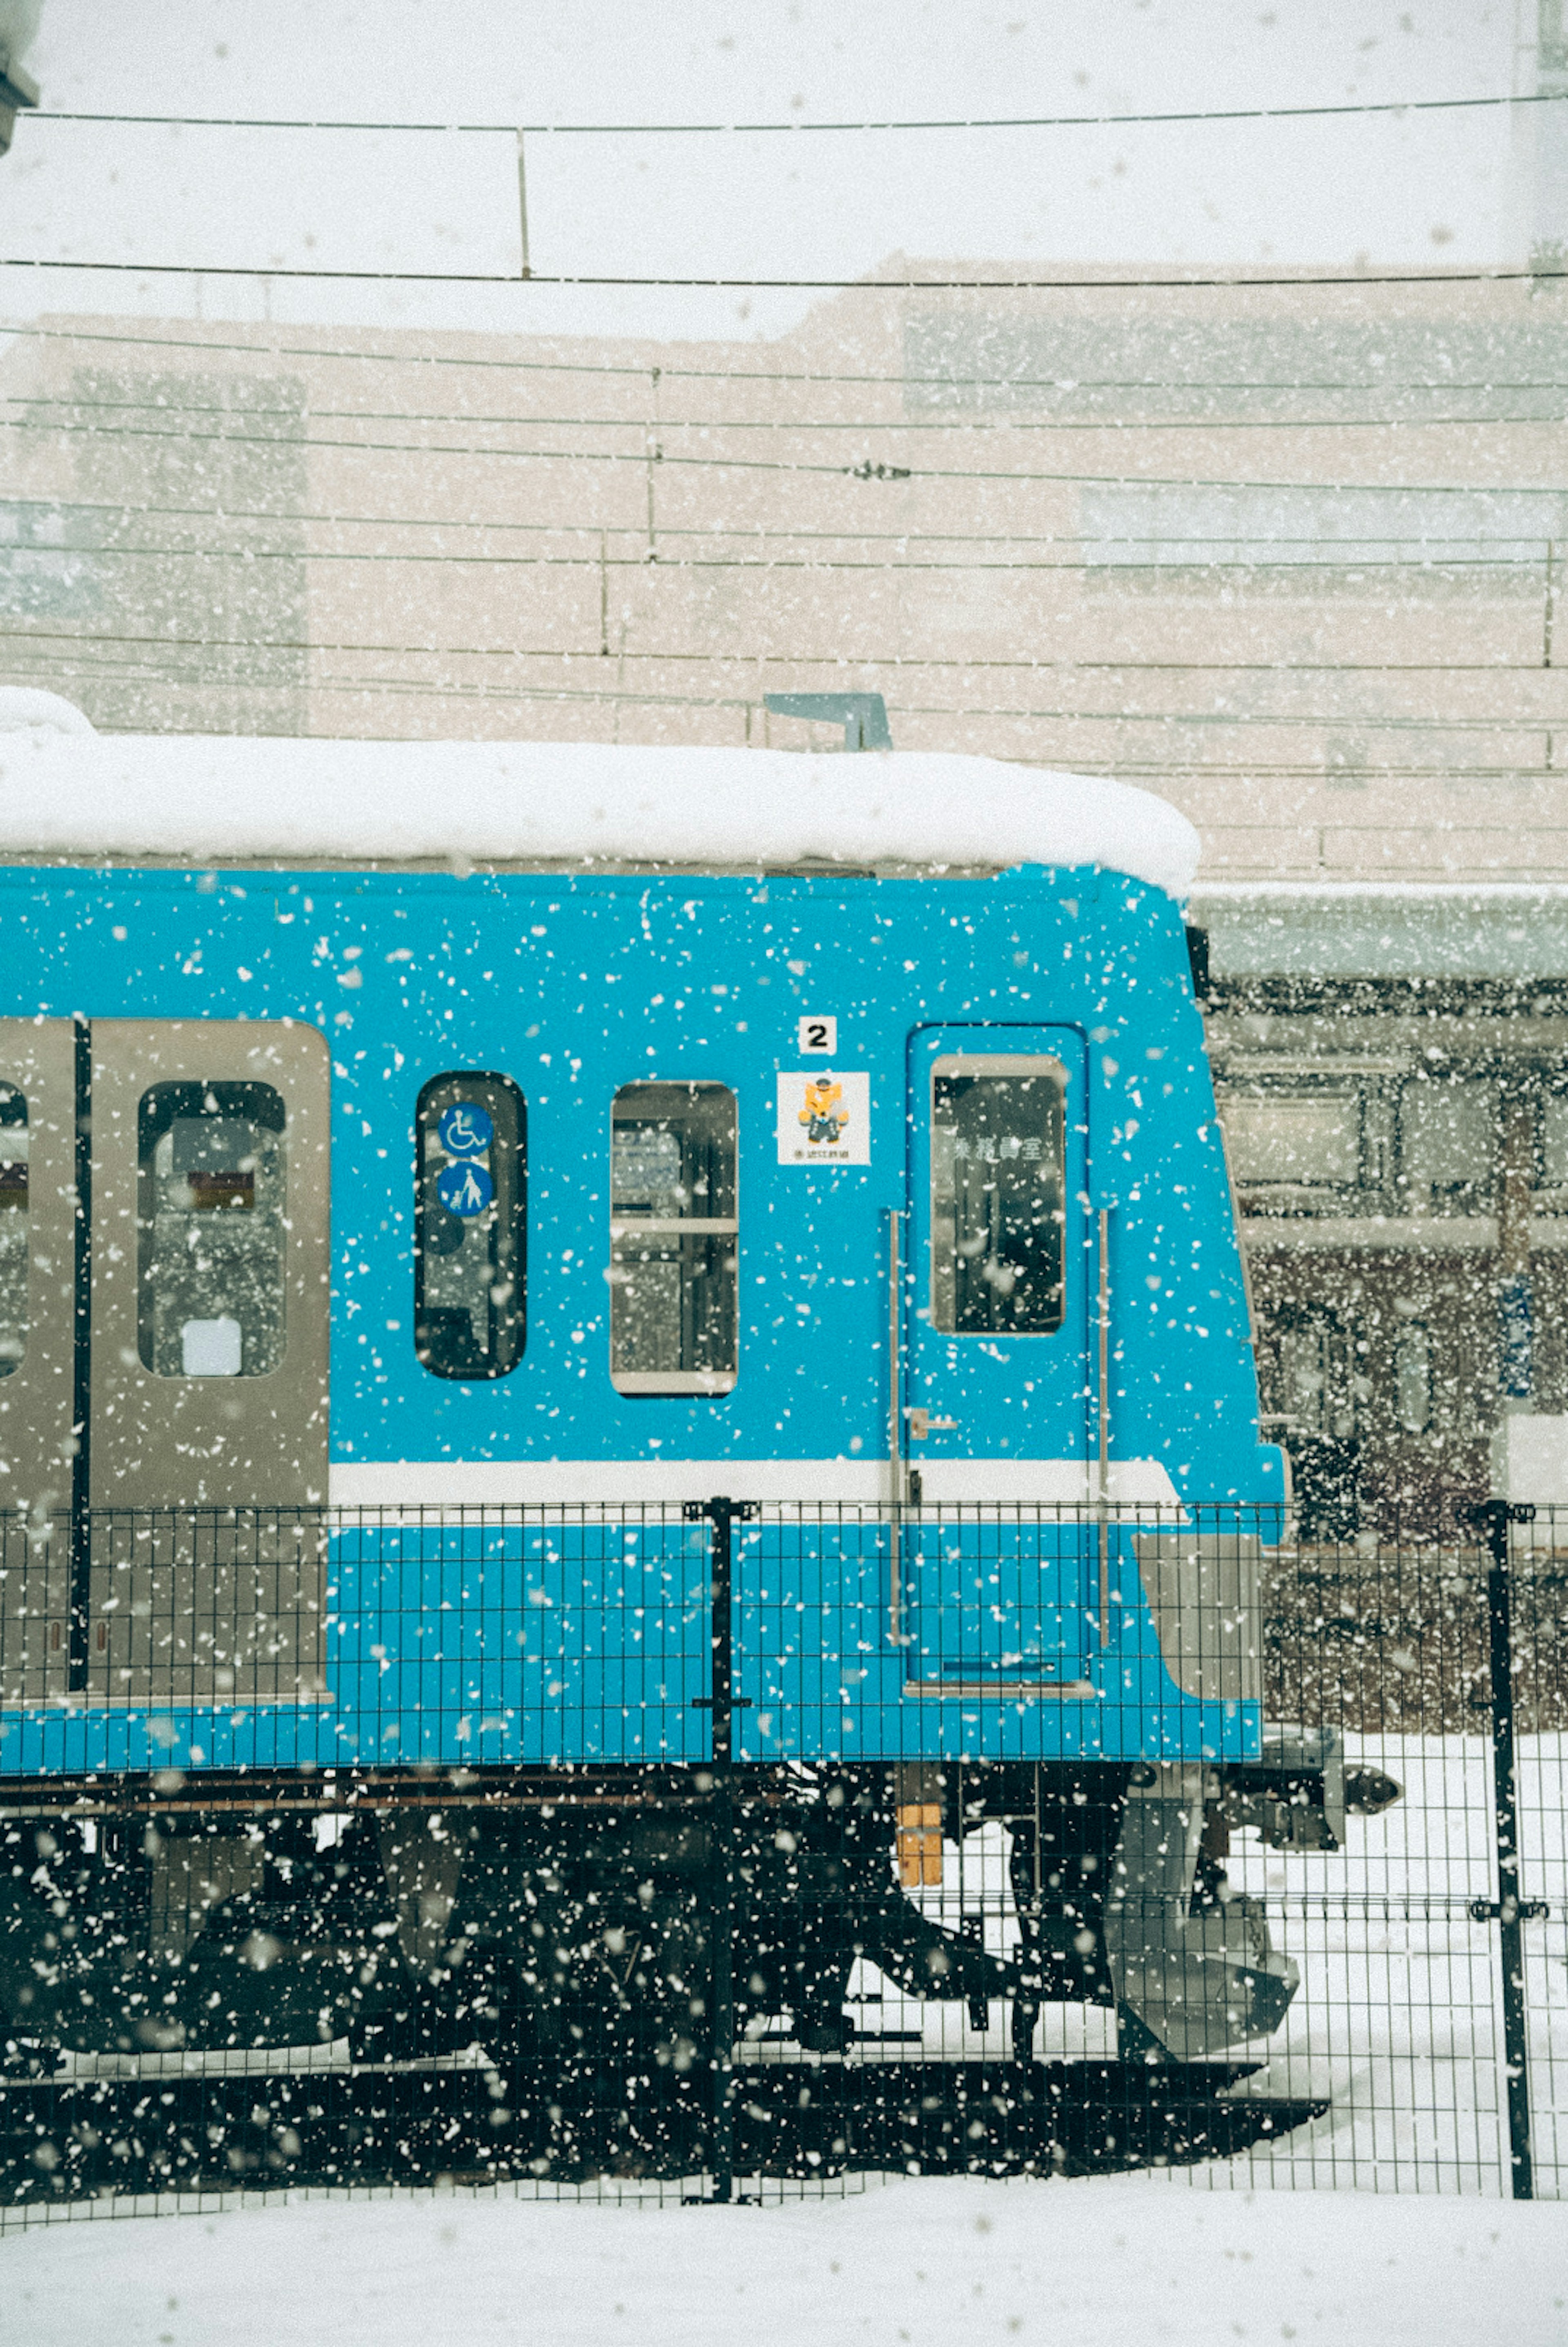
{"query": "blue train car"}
pixel 551 1295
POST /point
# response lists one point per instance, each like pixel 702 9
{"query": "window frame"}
pixel 690 1235
pixel 978 1066
pixel 1282 1194
pixel 160 1107
pixel 20 1203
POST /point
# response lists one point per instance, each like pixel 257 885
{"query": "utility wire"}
pixel 762 128
pixel 1231 281
pixel 653 453
pixel 380 687
pixel 654 371
pixel 762 534
pixel 898 663
pixel 994 426
pixel 1526 722
pixel 542 691
pixel 1431 556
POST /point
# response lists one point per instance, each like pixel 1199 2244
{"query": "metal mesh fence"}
pixel 729 1848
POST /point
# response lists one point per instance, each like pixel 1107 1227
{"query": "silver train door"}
pixel 164 1327
pixel 38 1448
pixel 207 1430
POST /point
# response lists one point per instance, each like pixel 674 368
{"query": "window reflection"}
pixel 211 1205
pixel 14 1228
pixel 469 1302
pixel 998 1175
pixel 674 1236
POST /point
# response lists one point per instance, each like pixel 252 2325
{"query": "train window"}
pixel 998 1170
pixel 211 1209
pixel 13 1229
pixel 673 1239
pixel 469 1299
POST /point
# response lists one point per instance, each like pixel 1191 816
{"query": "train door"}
pixel 38 1242
pixel 999 1395
pixel 166 1439
pixel 211 1320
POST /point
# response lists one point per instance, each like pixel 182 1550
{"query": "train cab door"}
pixel 208 1427
pixel 999 1397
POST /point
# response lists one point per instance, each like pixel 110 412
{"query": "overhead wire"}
pixel 997 427
pixel 33 638
pixel 300 644
pixel 1341 549
pixel 379 686
pixel 1431 557
pixel 1230 281
pixel 657 454
pixel 796 128
pixel 656 371
pixel 759 533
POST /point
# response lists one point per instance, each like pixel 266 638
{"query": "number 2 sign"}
pixel 819 1035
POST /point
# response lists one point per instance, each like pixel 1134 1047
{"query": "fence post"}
pixel 721 1515
pixel 1508 1910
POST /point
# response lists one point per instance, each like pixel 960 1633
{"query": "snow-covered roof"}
pixel 27 707
pixel 202 799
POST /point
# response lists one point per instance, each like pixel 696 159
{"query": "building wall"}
pixel 1293 556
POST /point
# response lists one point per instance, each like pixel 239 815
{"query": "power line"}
pixel 1231 281
pixel 1513 723
pixel 796 129
pixel 1166 769
pixel 654 453
pixel 658 370
pixel 995 427
pixel 1426 554
pixel 381 686
pixel 1175 720
pixel 762 534
pixel 795 661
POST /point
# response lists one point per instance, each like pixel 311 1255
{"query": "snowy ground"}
pixel 952 2264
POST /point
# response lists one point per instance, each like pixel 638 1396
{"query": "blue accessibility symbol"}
pixel 465 1130
pixel 464 1189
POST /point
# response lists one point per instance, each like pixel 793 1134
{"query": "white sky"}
pixel 1417 190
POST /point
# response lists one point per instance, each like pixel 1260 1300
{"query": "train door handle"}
pixel 921 1424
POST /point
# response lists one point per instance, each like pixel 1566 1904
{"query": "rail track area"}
pixel 427 2124
pixel 758 2012
pixel 1425 2047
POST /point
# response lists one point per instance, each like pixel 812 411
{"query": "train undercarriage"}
pixel 617 1948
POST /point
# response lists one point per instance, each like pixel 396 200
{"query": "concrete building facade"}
pixel 1292 554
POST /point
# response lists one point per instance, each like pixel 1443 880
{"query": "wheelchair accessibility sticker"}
pixel 824 1118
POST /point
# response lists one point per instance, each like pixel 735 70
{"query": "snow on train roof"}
pixel 198 799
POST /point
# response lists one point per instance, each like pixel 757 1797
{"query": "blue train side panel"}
pixel 461 1644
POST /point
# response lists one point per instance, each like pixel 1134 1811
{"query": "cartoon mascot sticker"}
pixel 826 1112
pixel 824 1117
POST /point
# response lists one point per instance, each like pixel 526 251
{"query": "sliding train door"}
pixel 38 1247
pixel 208 1427
pixel 164 1328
